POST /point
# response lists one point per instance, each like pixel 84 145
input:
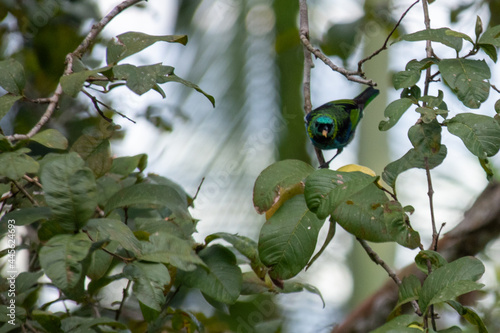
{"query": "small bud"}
pixel 479 26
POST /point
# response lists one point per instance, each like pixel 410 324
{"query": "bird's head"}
pixel 324 126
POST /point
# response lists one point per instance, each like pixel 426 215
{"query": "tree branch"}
pixel 308 64
pixel 53 101
pixel 384 47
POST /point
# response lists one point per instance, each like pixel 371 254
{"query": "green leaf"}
pixel 405 79
pixel 28 215
pixel 70 189
pixel 398 225
pixel 466 79
pixel 49 321
pixel 491 36
pixel 279 179
pixel 490 51
pixel 393 112
pixel 326 189
pixel 77 324
pixel 480 134
pixel 222 280
pixel 14 165
pixel 61 259
pixel 132 42
pixel 451 280
pixel 409 290
pixel 244 245
pixel 444 36
pixel 72 84
pixel 6 103
pixel 470 315
pixel 12 76
pixel 288 239
pixel 428 256
pixel 365 216
pixel 150 280
pixel 51 138
pixel 141 79
pixel 175 78
pixel 412 159
pixel 100 261
pixel 295 287
pixel 103 229
pixel 400 325
pixel 169 249
pixel 94 148
pixel 127 164
pixel 426 138
pixel 331 232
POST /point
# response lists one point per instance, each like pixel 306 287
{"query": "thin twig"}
pixel 308 64
pixel 125 260
pixel 392 274
pixel 32 180
pixel 384 47
pixel 26 194
pixel 125 295
pixel 96 103
pixel 198 189
pixel 350 75
pixel 430 194
pixel 78 52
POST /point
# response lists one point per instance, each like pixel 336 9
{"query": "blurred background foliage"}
pixel 247 54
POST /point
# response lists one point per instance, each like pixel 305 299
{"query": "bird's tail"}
pixel 366 96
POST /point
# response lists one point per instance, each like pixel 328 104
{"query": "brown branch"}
pixel 53 101
pixel 308 64
pixel 480 225
pixel 384 47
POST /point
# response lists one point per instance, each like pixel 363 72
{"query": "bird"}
pixel 332 125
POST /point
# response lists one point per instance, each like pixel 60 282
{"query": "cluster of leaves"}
pixel 468 80
pixel 101 218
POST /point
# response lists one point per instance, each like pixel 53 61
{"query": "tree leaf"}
pixel 450 281
pixel 295 287
pixel 150 280
pixel 409 290
pixel 491 36
pixel 86 324
pixel 222 280
pixel 244 245
pixel 14 165
pixel 480 134
pixel 169 249
pixel 470 315
pixel 94 148
pixel 141 79
pixel 466 79
pixel 329 236
pixel 405 79
pixel 102 229
pixel 132 42
pixel 288 239
pixel 442 35
pixel 426 138
pixel 61 259
pixel 12 78
pixel 412 159
pixel 326 189
pixel 127 164
pixel 6 103
pixel 49 321
pixel 28 215
pixel 428 256
pixel 398 225
pixel 175 78
pixel 70 189
pixel 281 179
pixel 72 83
pixel 51 138
pixel 399 324
pixel 394 111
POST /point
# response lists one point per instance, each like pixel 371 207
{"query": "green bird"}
pixel 332 125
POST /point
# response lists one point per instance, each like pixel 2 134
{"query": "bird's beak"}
pixel 325 133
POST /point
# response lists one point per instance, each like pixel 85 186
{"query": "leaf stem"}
pixel 125 295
